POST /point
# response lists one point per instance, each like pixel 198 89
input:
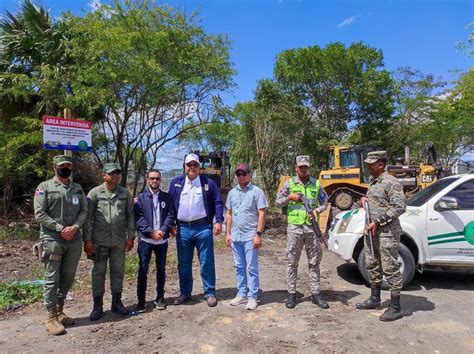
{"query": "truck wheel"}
pixel 405 260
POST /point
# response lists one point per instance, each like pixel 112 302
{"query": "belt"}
pixel 194 222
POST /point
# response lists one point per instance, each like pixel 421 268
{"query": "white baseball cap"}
pixel 191 157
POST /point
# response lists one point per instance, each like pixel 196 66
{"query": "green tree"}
pixel 154 69
pixel 341 87
pixel 32 64
pixel 416 96
pixel 452 122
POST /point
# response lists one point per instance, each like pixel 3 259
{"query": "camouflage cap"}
pixel 111 167
pixel 302 160
pixel 374 156
pixel 62 159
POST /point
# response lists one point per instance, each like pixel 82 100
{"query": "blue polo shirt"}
pixel 245 204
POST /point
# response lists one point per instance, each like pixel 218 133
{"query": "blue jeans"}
pixel 246 266
pixel 199 237
pixel 145 251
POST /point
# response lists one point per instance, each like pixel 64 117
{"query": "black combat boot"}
pixel 98 310
pixel 117 305
pixel 394 312
pixel 291 301
pixel 317 299
pixel 373 302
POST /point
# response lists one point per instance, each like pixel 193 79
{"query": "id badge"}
pixel 75 200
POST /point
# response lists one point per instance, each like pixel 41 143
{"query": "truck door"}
pixel 451 232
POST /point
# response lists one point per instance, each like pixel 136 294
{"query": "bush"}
pixel 19 293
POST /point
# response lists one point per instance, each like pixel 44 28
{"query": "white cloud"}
pixel 347 22
pixel 94 4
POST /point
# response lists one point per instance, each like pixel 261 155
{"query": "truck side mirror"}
pixel 446 203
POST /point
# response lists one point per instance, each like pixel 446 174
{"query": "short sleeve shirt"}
pixel 244 204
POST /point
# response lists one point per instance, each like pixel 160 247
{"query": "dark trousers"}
pixel 145 251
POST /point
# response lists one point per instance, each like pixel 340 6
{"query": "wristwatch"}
pixel 259 233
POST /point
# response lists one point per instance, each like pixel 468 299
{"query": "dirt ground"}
pixel 437 307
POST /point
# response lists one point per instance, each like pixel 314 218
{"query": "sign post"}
pixel 67 134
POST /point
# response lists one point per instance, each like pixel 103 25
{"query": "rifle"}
pixel 369 235
pixel 310 211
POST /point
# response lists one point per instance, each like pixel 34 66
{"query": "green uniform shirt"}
pixel 110 219
pixel 58 205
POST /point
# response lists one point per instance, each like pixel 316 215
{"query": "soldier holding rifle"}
pixel 300 231
pixel 387 202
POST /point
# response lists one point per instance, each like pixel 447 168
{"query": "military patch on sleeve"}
pixel 39 192
pixel 88 197
pixel 283 192
pixel 399 188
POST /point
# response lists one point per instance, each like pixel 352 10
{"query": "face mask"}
pixel 64 172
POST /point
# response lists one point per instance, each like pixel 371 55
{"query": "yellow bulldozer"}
pixel 347 178
pixel 216 165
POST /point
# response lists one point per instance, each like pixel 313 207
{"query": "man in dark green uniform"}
pixel 61 210
pixel 109 232
pixel 387 202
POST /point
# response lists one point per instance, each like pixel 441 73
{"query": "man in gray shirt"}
pixel 245 221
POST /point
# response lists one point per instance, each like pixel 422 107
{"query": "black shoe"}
pixel 211 301
pixel 291 301
pixel 373 302
pixel 141 307
pixel 160 303
pixel 117 305
pixel 181 300
pixel 318 300
pixel 98 310
pixel 394 311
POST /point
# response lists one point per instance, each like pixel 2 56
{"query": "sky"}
pixel 421 34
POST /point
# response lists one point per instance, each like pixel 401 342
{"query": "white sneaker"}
pixel 238 300
pixel 252 304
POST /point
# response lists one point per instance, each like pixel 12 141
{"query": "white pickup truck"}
pixel 438 229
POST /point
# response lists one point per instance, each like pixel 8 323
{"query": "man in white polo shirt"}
pixel 196 201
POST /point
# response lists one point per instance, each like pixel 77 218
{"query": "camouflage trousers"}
pixel 59 274
pixel 299 236
pixel 385 262
pixel 115 256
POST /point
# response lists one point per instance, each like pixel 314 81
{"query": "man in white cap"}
pixel 300 232
pixel 197 201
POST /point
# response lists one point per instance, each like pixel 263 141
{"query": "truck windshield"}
pixel 423 196
pixel 348 159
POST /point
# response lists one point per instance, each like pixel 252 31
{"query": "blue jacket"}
pixel 212 202
pixel 144 213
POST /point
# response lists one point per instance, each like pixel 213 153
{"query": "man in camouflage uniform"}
pixel 387 202
pixel 300 232
pixel 61 210
pixel 109 233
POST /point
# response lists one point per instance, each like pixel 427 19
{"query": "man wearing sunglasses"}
pixel 299 230
pixel 245 222
pixel 154 216
pixel 109 233
pixel 197 202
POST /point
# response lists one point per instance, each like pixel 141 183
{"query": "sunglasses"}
pixel 241 174
pixel 192 164
pixel 114 173
pixel 154 178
